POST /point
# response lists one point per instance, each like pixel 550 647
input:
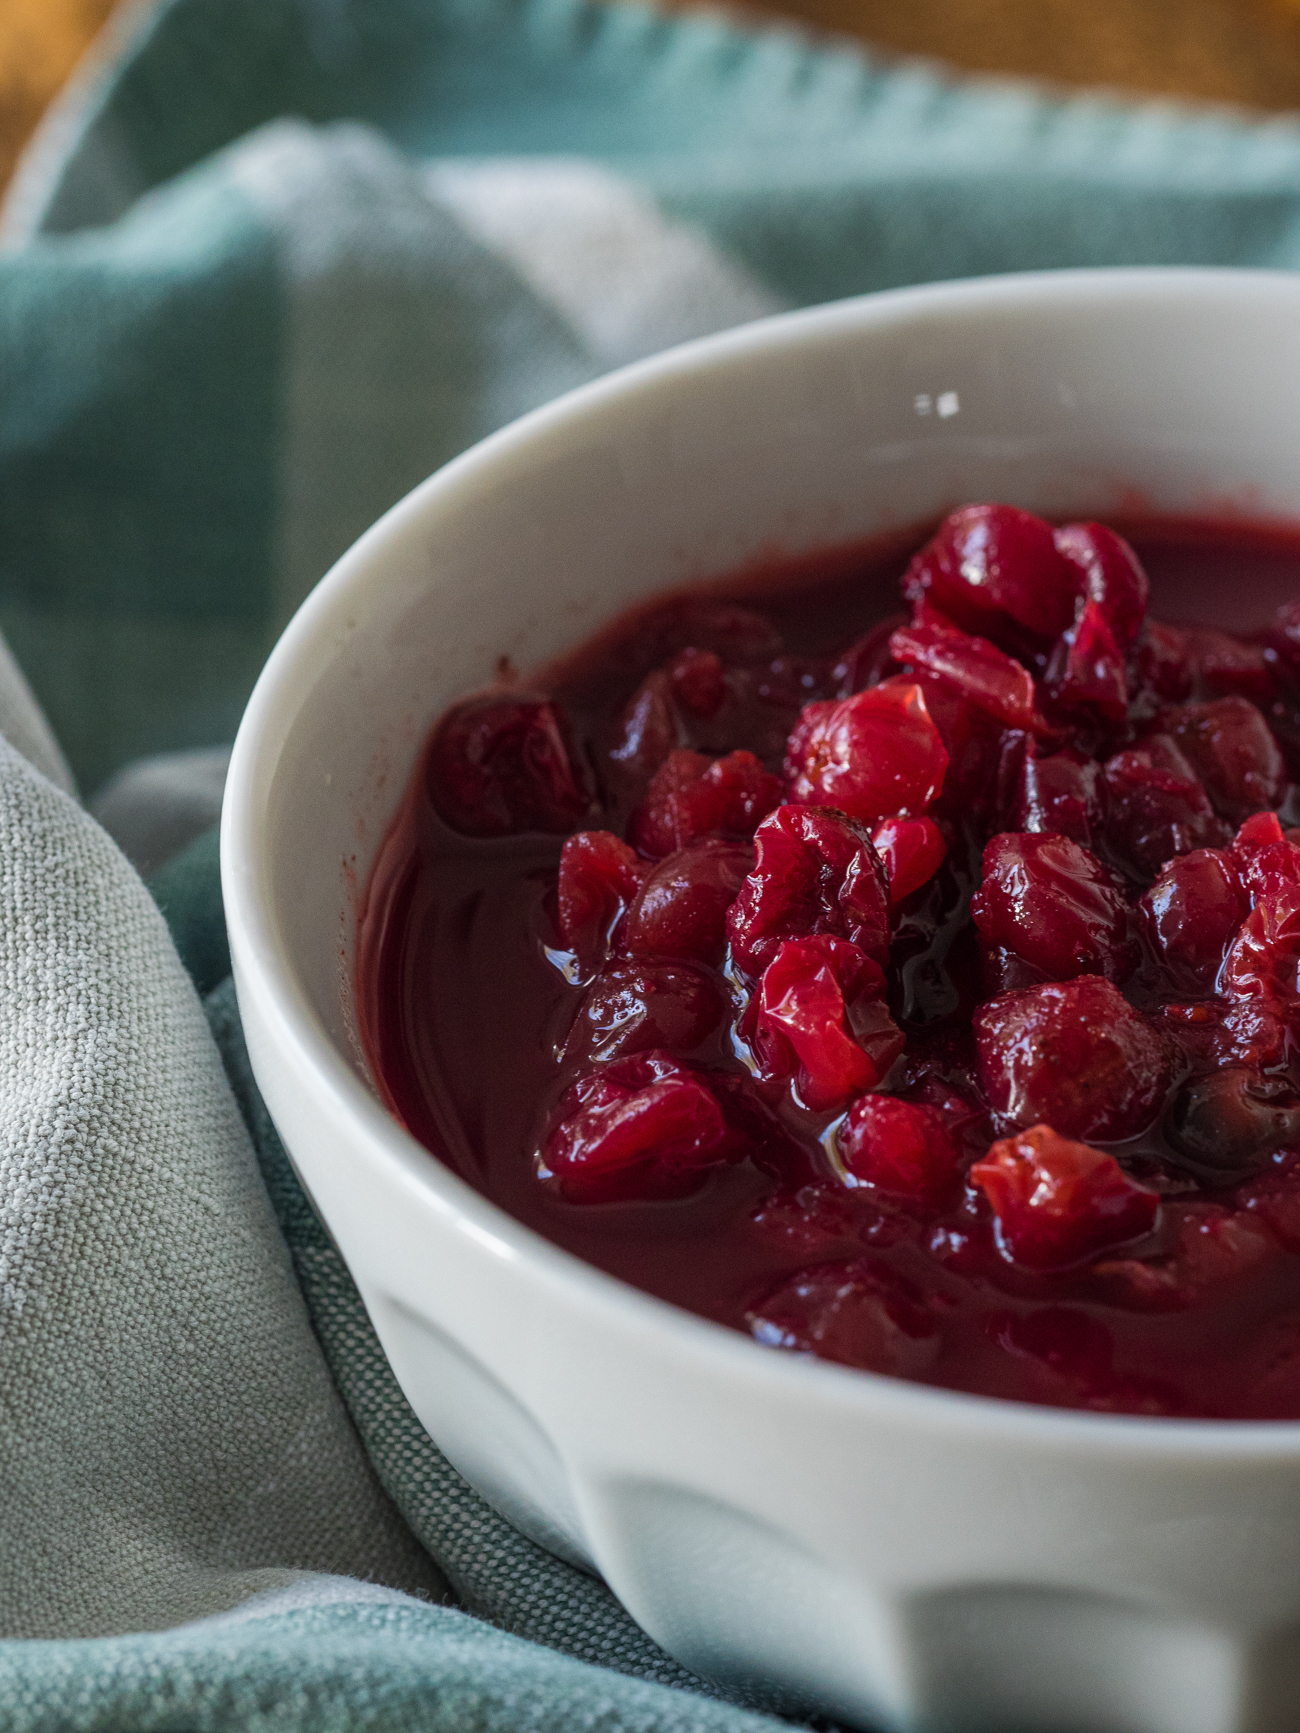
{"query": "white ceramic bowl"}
pixel 885 1552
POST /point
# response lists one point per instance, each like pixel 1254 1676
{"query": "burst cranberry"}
pixel 860 1314
pixel 499 766
pixel 689 798
pixel 815 871
pixel 1164 661
pixel 997 571
pixel 1111 576
pixel 819 1016
pixel 599 877
pixel 1074 1055
pixel 646 1126
pixel 1264 959
pixel 912 849
pixel 1267 858
pixel 899 1148
pixel 975 669
pixel 1052 904
pixel 699 682
pixel 1086 669
pixel 636 1007
pixel 873 754
pixel 1191 915
pixel 1155 807
pixel 1058 1203
pixel 681 910
pixel 1059 793
pixel 1229 747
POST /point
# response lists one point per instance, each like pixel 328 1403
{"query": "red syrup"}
pixel 896 968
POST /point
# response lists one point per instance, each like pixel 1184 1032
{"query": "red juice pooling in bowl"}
pixel 899 963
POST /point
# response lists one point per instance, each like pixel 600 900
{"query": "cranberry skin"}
pixel 913 850
pixel 1060 794
pixel 1086 669
pixel 871 755
pixel 689 798
pixel 1190 916
pixel 815 871
pixel 647 1126
pixel 1057 1203
pixel 899 1148
pixel 1233 1122
pixel 1263 961
pixel 499 766
pixel 859 1314
pixel 699 682
pixel 1267 858
pixel 599 877
pixel 1230 748
pixel 638 1007
pixel 1155 807
pixel 1052 904
pixel 819 1012
pixel 1074 1055
pixel 1111 576
pixel 681 910
pixel 975 669
pixel 995 570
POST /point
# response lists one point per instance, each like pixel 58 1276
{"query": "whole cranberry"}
pixel 1229 747
pixel 1052 904
pixel 1233 1122
pixel 637 1007
pixel 913 850
pixel 1263 961
pixel 646 732
pixel 900 1148
pixel 975 669
pixel 871 755
pixel 1058 793
pixel 690 797
pixel 1191 915
pixel 699 682
pixel 819 1016
pixel 1164 661
pixel 859 1314
pixel 815 871
pixel 1111 576
pixel 499 766
pixel 681 909
pixel 1086 668
pixel 1225 665
pixel 1155 807
pixel 645 1126
pixel 996 570
pixel 1057 1203
pixel 1073 1055
pixel 599 877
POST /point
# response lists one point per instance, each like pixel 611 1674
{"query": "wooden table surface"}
pixel 1242 51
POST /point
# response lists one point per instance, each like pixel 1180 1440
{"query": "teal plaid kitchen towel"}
pixel 270 263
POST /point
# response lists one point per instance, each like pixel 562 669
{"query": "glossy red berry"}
pixel 1086 670
pixel 1263 961
pixel 681 909
pixel 900 1148
pixel 1267 858
pixel 690 797
pixel 858 1313
pixel 871 755
pixel 640 1006
pixel 499 766
pixel 1058 793
pixel 699 682
pixel 1074 1055
pixel 1232 753
pixel 913 850
pixel 646 1126
pixel 1155 807
pixel 599 877
pixel 1057 1203
pixel 973 668
pixel 1052 904
pixel 996 570
pixel 819 1017
pixel 1111 576
pixel 1191 915
pixel 815 871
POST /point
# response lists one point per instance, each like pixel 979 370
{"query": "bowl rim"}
pixel 265 969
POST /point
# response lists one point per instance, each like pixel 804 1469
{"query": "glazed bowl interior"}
pixel 1080 394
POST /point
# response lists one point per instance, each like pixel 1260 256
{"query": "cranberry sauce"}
pixel 894 958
